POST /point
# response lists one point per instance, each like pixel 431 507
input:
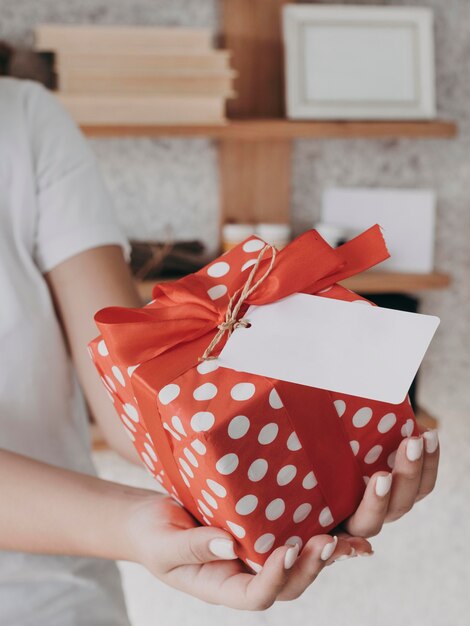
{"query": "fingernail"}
pixel 328 549
pixel 291 556
pixel 431 441
pixel 344 557
pixel 366 553
pixel 383 484
pixel 223 548
pixel 414 449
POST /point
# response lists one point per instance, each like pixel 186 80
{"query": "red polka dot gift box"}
pixel 271 462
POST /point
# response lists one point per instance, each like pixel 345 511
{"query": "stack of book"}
pixel 138 75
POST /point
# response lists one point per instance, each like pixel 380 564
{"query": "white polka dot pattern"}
pixel 243 391
pixel 202 421
pixel 355 445
pixel 325 518
pixel 310 481
pixel 103 348
pixel 217 488
pixel 257 470
pixel 387 422
pixel 236 529
pixel 373 454
pixel 268 433
pixel 248 264
pixel 302 512
pixel 217 270
pixel 238 427
pixel 293 442
pixel 275 509
pixel 275 400
pixel 286 475
pixel 340 406
pixel 227 464
pixel 118 375
pixel 207 391
pixel 264 543
pixel 407 428
pixel 253 245
pixel 217 292
pixel 169 393
pixel 246 505
pixel 207 366
pixel 132 412
pixel 234 439
pixel 362 417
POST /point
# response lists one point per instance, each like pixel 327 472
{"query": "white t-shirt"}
pixel 53 205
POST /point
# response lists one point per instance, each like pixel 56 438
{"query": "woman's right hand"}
pixel 202 561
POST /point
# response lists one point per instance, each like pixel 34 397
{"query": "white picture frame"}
pixel 359 62
pixel 407 218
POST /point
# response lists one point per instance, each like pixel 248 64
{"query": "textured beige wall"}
pixel 173 183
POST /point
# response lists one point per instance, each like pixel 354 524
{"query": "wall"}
pixel 171 185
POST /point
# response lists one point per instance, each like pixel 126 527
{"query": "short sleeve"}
pixel 74 210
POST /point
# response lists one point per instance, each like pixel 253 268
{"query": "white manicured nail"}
pixel 414 449
pixel 383 484
pixel 223 548
pixel 328 549
pixel 291 556
pixel 431 441
pixel 366 553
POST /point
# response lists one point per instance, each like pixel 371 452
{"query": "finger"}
pixel 359 545
pixel 369 517
pixel 196 546
pixel 225 583
pixel 430 464
pixel 406 478
pixel 318 552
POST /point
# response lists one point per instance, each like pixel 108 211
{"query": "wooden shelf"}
pixel 263 129
pixel 395 282
pixel 367 282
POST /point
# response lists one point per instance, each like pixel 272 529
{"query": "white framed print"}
pixel 359 62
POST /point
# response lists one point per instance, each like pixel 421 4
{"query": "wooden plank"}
pixel 271 129
pixel 99 109
pixel 131 39
pixel 368 282
pixel 255 181
pixel 252 31
pixel 395 282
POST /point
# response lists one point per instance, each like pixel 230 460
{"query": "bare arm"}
pixel 81 286
pixel 50 510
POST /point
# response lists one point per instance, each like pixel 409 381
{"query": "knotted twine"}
pixel 231 320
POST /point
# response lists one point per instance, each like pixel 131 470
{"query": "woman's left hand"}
pixel 390 495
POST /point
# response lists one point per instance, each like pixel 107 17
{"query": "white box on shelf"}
pixel 359 62
pixel 407 217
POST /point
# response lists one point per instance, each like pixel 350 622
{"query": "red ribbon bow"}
pixel 183 312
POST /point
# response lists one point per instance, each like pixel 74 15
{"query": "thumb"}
pixel 199 545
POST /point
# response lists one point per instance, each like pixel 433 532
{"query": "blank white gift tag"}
pixel 346 347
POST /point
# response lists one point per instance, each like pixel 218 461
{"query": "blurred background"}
pixel 253 139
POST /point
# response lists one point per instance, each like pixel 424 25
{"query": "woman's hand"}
pixel 202 561
pixel 389 496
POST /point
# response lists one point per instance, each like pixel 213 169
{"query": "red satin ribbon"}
pixel 182 320
pixel 183 312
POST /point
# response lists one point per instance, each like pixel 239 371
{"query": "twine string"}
pixel 231 320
